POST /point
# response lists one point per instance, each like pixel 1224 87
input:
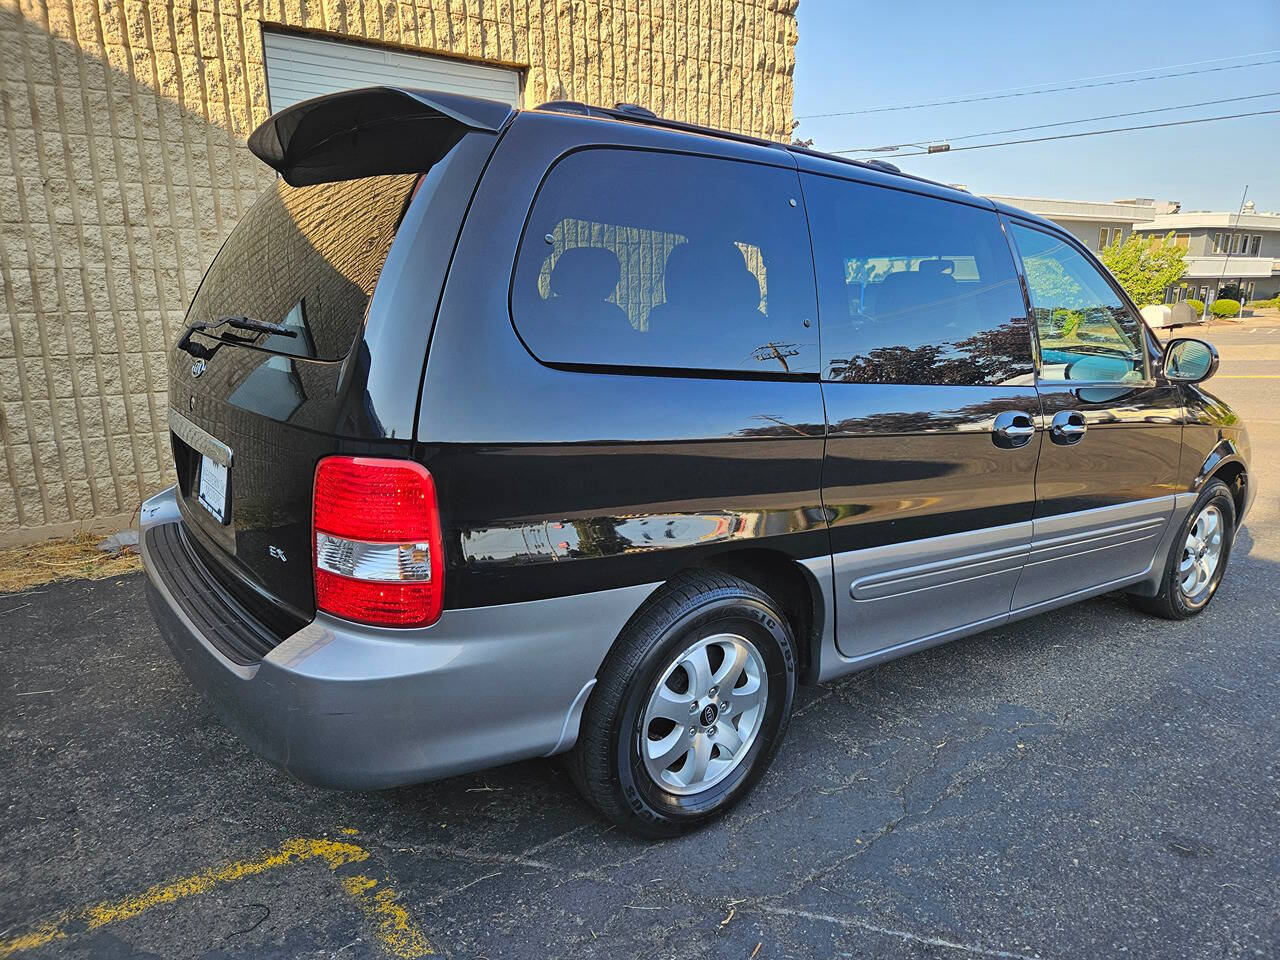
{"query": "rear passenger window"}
pixel 644 259
pixel 914 290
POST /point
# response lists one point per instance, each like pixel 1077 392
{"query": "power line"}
pixel 1044 126
pixel 1096 133
pixel 1031 93
pixel 1124 73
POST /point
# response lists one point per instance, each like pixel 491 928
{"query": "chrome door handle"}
pixel 1067 427
pixel 1013 429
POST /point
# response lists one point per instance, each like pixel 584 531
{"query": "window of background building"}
pixel 913 289
pixel 696 263
pixel 1217 243
pixel 1085 330
pixel 1256 246
pixel 1182 240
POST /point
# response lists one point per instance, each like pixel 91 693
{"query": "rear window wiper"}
pixel 201 352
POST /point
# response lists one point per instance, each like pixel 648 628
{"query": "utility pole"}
pixel 1230 239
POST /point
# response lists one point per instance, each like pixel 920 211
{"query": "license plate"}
pixel 213 488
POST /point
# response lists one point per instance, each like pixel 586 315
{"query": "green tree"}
pixel 1145 267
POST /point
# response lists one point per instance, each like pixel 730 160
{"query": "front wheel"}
pixel 1198 557
pixel 690 706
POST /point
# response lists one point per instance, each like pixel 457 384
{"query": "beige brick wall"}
pixel 123 166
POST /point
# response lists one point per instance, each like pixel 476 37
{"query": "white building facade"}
pixel 1235 252
pixel 1224 250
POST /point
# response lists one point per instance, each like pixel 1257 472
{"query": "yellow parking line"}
pixel 394 928
pixel 396 931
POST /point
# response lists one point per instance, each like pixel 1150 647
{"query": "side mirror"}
pixel 1190 361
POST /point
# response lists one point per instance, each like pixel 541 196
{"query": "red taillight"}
pixel 379 557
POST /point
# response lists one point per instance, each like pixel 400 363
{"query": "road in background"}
pixel 1088 783
pixel 1249 380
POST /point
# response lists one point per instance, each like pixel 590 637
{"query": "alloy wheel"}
pixel 1201 554
pixel 704 713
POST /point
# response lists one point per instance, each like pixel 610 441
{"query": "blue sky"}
pixel 859 55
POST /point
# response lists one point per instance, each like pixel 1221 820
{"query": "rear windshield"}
pixel 307 258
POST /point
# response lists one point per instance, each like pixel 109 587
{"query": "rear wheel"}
pixel 689 708
pixel 1198 557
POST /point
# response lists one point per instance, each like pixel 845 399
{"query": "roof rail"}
pixel 634 113
pixel 874 163
pixel 570 106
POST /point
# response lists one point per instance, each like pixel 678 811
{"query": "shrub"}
pixel 1225 307
pixel 1197 306
pixel 1273 302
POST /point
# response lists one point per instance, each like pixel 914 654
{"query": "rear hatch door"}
pixel 273 371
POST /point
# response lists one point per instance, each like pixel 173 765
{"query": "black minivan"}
pixel 502 434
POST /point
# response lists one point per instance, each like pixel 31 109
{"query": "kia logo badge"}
pixel 197 368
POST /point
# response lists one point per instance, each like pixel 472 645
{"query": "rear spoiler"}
pixel 370 131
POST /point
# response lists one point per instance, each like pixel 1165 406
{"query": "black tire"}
pixel 1171 602
pixel 605 763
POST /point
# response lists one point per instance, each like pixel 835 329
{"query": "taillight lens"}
pixel 379 557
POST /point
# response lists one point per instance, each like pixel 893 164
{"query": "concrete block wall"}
pixel 123 166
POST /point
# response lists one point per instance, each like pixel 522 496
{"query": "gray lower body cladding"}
pixel 343 705
pixel 894 600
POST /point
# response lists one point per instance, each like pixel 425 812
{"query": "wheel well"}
pixel 789 584
pixel 1234 476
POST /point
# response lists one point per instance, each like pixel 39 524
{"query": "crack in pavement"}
pixel 852 923
pixel 771 904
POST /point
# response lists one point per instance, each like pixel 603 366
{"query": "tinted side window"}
pixel 649 259
pixel 913 289
pixel 1085 330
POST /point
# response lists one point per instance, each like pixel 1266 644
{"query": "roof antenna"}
pixel 883 165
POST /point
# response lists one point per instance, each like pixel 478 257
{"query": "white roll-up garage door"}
pixel 299 68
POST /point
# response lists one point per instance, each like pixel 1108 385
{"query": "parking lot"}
pixel 1087 783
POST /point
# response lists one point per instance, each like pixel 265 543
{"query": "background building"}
pixel 1229 248
pixel 1241 250
pixel 1095 224
pixel 123 167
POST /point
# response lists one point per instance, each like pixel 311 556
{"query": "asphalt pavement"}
pixel 1088 783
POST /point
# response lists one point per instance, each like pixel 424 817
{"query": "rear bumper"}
pixel 343 705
